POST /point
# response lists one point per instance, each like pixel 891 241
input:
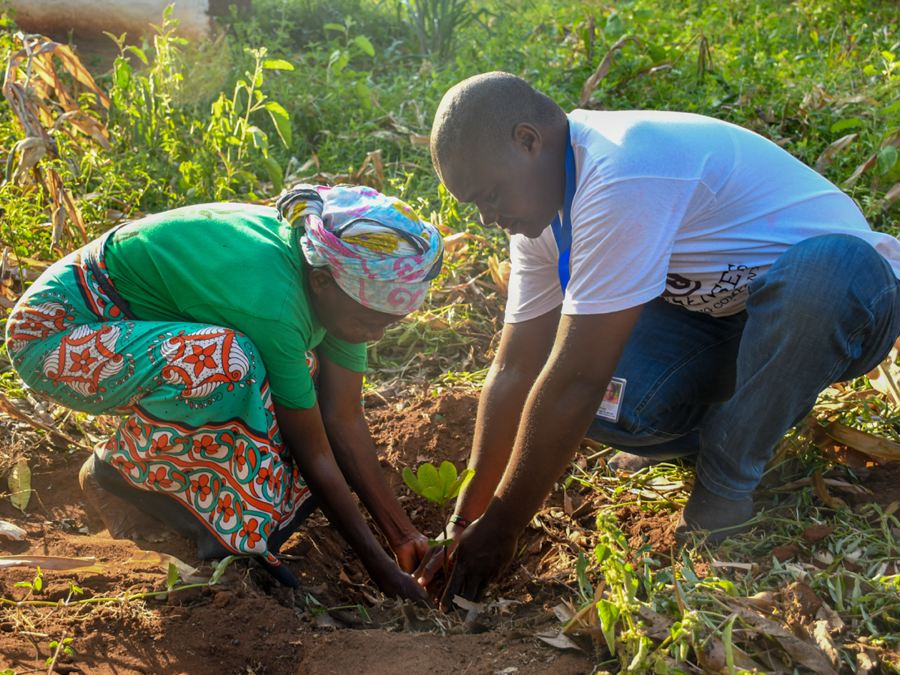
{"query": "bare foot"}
pixel 122 519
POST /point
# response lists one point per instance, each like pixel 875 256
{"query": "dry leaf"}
pixel 49 562
pixel 828 155
pixel 823 494
pixel 891 196
pixel 500 272
pixel 594 80
pixel 803 653
pixel 882 449
pixel 20 484
pixel 455 242
pixel 826 644
pixel 885 378
pixel 10 531
pixel 558 640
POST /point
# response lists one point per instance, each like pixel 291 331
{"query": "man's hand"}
pixel 411 550
pixel 482 553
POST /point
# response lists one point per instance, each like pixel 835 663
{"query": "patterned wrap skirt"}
pixel 199 446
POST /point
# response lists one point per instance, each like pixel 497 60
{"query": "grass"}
pixel 339 91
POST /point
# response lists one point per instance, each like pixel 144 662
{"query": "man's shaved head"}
pixel 483 111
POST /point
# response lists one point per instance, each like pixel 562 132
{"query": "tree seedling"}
pixel 438 485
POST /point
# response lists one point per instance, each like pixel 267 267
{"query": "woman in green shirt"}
pixel 232 337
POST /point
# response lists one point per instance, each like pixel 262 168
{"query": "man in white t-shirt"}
pixel 680 286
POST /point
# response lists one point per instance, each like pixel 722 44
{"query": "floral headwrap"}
pixel 377 249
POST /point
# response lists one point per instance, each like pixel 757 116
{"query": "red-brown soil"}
pixel 246 624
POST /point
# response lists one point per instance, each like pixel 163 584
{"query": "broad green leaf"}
pixel 19 482
pixel 447 473
pixel 282 121
pixel 609 617
pixel 411 481
pixel 364 44
pixel 277 64
pixel 122 73
pixel 428 475
pixel 849 123
pixel 336 27
pixel 276 175
pixel 460 482
pixel 431 482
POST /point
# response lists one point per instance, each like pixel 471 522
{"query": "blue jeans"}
pixel 728 389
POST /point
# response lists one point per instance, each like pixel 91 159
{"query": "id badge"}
pixel 612 400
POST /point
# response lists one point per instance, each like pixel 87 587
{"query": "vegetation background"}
pixel 344 91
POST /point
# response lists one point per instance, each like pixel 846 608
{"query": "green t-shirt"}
pixel 232 265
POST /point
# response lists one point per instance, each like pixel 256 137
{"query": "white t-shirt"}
pixel 681 206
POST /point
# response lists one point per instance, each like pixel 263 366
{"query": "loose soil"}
pixel 246 624
pixel 337 622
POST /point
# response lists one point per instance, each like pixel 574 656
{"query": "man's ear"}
pixel 528 137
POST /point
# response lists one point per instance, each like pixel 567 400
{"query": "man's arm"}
pixel 523 351
pixel 340 390
pixel 524 348
pixel 305 436
pixel 558 412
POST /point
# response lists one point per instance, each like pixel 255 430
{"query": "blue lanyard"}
pixel 562 232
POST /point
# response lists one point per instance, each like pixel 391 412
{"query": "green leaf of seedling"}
pixel 336 27
pixel 364 44
pixel 430 481
pixel 434 543
pixel 609 617
pixel 172 577
pixel 448 475
pixel 282 121
pixel 462 481
pixel 277 64
pixel 411 481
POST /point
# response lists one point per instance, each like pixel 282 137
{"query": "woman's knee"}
pixel 209 361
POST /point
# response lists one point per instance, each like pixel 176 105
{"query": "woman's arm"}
pixel 340 390
pixel 304 434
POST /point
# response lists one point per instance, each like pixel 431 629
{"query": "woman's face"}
pixel 342 316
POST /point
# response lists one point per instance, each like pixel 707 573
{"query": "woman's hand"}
pixel 410 550
pixel 436 557
pixel 396 583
